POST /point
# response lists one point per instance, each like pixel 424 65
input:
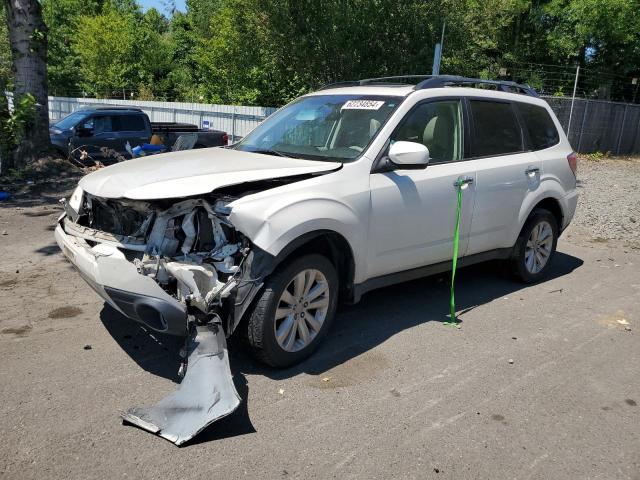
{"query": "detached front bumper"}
pixel 119 283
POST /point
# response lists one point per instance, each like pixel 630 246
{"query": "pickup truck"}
pixel 95 128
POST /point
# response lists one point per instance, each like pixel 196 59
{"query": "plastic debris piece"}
pixel 5 196
pixel 281 391
pixel 326 379
pixel 87 347
pixel 511 361
pixel 206 393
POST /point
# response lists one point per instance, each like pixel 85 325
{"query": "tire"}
pixel 525 262
pixel 263 327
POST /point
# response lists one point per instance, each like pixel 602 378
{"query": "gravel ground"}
pixel 609 207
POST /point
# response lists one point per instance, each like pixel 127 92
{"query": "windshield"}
pixel 322 127
pixel 70 120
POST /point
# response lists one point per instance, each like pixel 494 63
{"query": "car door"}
pixel 92 135
pixel 413 212
pixel 132 128
pixel 506 173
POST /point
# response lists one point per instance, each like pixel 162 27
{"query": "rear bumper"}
pixel 570 203
pixel 119 283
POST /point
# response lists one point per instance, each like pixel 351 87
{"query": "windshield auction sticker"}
pixel 363 105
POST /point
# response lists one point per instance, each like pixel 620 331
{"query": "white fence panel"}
pixel 237 121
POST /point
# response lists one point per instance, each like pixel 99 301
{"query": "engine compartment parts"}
pixel 178 268
pixel 188 248
pixel 206 394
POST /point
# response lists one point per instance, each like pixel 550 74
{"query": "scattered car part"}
pixel 206 393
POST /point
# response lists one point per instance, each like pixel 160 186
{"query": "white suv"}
pixel 344 190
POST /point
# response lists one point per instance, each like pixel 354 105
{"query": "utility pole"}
pixel 437 53
pixel 573 99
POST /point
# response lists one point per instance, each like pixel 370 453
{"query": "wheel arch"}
pixel 552 205
pixel 330 244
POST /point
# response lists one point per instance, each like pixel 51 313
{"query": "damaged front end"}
pixel 179 268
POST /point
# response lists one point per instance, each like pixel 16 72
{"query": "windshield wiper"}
pixel 267 151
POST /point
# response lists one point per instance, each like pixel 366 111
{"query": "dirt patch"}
pixel 353 372
pixel 616 320
pixel 65 312
pixel 22 331
pixel 8 284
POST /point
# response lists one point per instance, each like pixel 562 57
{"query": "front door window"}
pixel 438 126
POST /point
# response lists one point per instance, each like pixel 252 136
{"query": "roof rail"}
pixel 105 106
pixel 439 81
pixel 393 80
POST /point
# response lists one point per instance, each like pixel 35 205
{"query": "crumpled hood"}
pixel 193 172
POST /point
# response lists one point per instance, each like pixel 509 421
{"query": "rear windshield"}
pixel 538 123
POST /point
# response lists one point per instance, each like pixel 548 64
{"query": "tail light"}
pixel 225 139
pixel 572 158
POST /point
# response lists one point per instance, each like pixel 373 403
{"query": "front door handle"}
pixel 111 138
pixel 463 181
pixel 532 171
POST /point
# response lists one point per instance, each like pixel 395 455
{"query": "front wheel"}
pixel 294 311
pixel 535 247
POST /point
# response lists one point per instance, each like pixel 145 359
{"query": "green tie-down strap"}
pixel 456 240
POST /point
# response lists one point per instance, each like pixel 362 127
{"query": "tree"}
pixel 28 41
pixel 105 46
pixel 62 18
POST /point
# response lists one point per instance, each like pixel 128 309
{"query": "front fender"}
pixel 276 226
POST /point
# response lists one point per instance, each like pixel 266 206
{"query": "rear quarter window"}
pixel 496 130
pixel 539 125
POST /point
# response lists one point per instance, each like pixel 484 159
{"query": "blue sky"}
pixel 161 4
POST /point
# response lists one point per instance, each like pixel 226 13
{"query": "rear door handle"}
pixel 463 181
pixel 532 171
pixel 111 138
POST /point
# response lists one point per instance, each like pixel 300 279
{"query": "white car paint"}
pixel 392 221
pixel 192 172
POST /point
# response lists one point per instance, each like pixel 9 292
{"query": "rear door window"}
pixel 539 125
pixel 129 123
pixel 496 129
pixel 102 124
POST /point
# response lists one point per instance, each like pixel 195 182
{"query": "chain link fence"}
pixel 598 125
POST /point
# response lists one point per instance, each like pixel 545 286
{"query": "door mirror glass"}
pixel 409 154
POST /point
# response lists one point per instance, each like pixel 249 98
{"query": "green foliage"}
pixel 22 118
pixel 105 46
pixel 268 52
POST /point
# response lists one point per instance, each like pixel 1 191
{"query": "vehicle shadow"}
pixel 356 330
pixel 384 313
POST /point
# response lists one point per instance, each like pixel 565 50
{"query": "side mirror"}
pixel 409 155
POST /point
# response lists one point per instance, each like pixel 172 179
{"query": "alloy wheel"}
pixel 538 248
pixel 301 310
